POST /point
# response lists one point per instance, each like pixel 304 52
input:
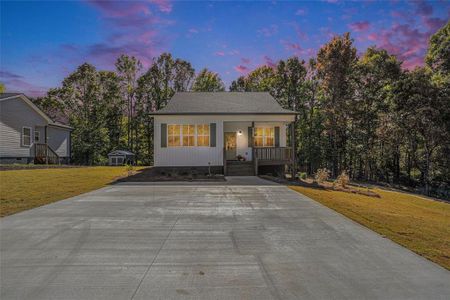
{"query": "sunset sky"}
pixel 42 42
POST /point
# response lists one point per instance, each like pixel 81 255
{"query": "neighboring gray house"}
pixel 239 133
pixel 28 135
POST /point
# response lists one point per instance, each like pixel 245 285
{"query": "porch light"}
pixel 239 132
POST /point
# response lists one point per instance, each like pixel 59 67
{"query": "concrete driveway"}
pixel 254 240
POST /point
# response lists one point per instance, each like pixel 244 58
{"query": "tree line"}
pixel 360 113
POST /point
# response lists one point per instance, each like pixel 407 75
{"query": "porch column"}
pixel 254 158
pixel 293 139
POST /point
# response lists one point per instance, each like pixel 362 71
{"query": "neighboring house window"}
pixel 188 135
pixel 26 136
pixel 264 137
pixel 174 135
pixel 203 135
pixel 36 136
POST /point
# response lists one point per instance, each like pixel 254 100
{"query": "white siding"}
pixel 14 114
pixel 201 156
pixel 59 140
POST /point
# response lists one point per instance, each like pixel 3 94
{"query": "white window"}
pixel 174 135
pixel 203 135
pixel 181 135
pixel 264 137
pixel 26 136
pixel 188 135
pixel 37 135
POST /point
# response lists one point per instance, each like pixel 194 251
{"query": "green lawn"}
pixel 419 224
pixel 29 188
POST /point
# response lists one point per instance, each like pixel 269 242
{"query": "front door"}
pixel 230 145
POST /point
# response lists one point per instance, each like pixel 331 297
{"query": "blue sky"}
pixel 42 42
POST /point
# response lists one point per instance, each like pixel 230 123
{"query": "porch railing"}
pixel 273 153
pixel 45 154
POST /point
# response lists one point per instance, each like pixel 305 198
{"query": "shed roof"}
pixel 204 103
pixel 120 152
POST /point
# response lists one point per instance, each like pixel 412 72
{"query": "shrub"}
pixel 129 168
pixel 301 175
pixel 322 175
pixel 343 179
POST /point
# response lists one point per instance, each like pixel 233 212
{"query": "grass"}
pixel 419 224
pixel 24 189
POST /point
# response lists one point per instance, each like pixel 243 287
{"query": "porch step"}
pixel 240 168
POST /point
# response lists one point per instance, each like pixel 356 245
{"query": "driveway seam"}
pixel 154 259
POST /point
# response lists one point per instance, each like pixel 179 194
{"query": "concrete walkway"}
pixel 227 241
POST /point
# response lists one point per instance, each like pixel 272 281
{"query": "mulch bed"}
pixel 151 175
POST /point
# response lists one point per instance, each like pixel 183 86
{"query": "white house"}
pixel 27 134
pixel 235 132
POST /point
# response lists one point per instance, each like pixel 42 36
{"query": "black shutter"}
pixel 212 134
pixel 277 136
pixel 250 137
pixel 163 135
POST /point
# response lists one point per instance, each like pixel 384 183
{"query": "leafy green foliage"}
pixel 207 81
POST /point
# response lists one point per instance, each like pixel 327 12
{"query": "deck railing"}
pixel 273 153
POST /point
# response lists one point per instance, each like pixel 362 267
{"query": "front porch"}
pixel 252 146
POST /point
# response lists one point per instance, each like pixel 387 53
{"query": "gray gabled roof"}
pixel 7 96
pixel 209 103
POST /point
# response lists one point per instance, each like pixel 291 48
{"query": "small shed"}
pixel 120 158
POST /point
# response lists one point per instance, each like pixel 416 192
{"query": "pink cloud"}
pixel 269 62
pixel 405 41
pixel 359 26
pixel 269 31
pixel 291 46
pixel 117 9
pixel 424 8
pixel 163 5
pixel 434 24
pixel 193 30
pixel 17 83
pixel 242 69
pixel 245 61
pixel 219 53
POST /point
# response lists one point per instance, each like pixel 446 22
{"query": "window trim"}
pixel 189 135
pixel 23 136
pixel 180 136
pixel 38 134
pixel 203 135
pixel 264 137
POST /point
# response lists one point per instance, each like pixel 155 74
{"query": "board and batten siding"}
pixel 15 114
pixel 201 156
pixel 59 140
pixel 187 156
